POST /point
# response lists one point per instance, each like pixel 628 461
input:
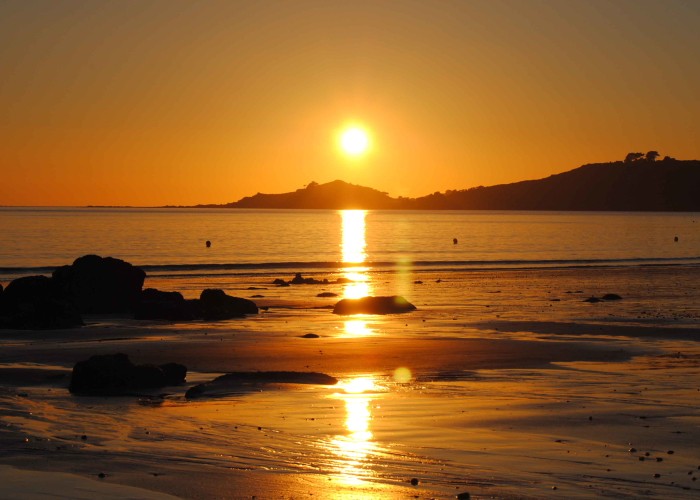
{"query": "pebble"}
pixel 414 481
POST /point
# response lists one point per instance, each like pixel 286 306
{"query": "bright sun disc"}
pixel 354 141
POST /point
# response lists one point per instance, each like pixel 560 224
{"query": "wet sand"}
pixel 511 395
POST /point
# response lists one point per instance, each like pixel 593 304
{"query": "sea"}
pixel 173 241
pixel 507 381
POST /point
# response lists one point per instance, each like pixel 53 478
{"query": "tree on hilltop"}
pixel 632 157
pixel 652 155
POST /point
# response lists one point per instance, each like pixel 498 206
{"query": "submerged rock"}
pixel 232 382
pixel 593 300
pixel 300 280
pixel 215 304
pixel 393 304
pixel 100 285
pixel 115 374
pixel 327 294
pixel 611 296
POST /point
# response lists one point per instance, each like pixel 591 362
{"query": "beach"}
pixel 516 388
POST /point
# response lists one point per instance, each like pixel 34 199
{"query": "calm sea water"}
pixel 34 240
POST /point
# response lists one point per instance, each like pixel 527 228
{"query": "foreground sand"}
pixel 508 398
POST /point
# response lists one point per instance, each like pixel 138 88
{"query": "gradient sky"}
pixel 172 102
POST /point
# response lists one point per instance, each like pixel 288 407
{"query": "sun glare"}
pixel 354 141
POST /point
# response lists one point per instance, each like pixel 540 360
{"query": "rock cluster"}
pixel 97 285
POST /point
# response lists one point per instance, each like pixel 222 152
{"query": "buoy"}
pixel 208 243
pixel 675 239
pixel 454 241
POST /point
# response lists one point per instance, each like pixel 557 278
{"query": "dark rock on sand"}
pixel 309 336
pixel 175 373
pixel 100 285
pixel 374 305
pixel 215 304
pixel 115 374
pixel 34 303
pixel 280 282
pixel 172 306
pixel 611 296
pixel 236 381
pixel 327 294
pixel 593 300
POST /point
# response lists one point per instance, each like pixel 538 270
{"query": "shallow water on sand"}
pixel 525 433
pixel 510 393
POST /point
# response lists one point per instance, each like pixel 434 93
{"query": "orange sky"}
pixel 174 102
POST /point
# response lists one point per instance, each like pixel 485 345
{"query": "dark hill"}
pixel 336 195
pixel 667 185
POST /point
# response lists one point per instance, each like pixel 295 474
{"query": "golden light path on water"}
pixel 355 446
pixel 353 250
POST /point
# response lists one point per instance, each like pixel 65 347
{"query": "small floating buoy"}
pixel 675 239
pixel 454 241
pixel 208 243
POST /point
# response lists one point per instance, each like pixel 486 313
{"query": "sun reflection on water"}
pixel 354 447
pixel 353 248
pixel 354 243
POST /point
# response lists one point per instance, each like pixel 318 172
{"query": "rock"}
pixel 327 294
pixel 463 496
pixel 215 305
pixel 611 296
pixel 297 280
pixel 155 304
pixel 592 300
pixel 414 481
pixel 175 373
pixel 300 280
pixel 280 282
pixel 394 304
pixel 34 303
pixel 236 381
pixel 115 374
pixel 309 336
pixel 100 285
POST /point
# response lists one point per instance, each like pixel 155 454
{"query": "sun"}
pixel 354 141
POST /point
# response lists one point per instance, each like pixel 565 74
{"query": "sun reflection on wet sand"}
pixel 357 328
pixel 354 447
